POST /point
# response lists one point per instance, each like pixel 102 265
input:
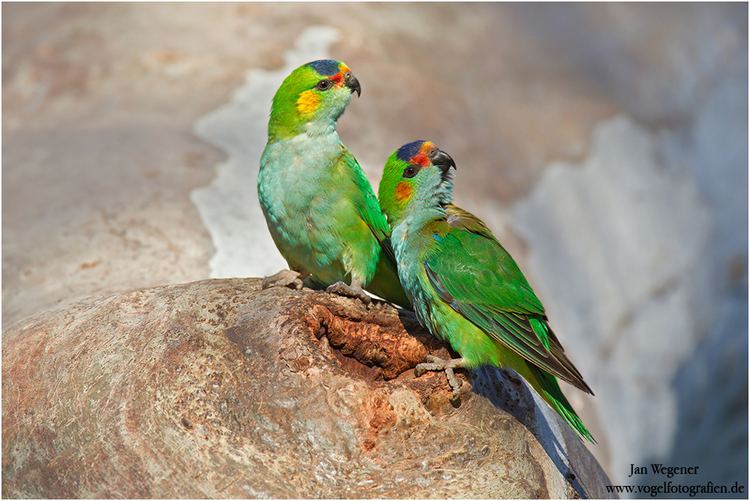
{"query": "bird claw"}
pixel 438 364
pixel 454 384
pixel 433 364
pixel 284 278
pixel 353 291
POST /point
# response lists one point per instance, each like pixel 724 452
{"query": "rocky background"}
pixel 605 144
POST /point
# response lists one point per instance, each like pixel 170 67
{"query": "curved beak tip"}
pixel 442 160
pixel 353 84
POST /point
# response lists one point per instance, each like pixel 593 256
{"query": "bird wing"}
pixel 478 278
pixel 369 207
pixel 385 282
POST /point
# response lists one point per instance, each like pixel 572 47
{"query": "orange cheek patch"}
pixel 308 102
pixel 403 191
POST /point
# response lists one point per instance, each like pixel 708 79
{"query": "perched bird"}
pixel 320 208
pixel 464 286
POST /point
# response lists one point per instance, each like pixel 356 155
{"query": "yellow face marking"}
pixel 403 191
pixel 308 102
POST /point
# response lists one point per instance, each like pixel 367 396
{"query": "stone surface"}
pixel 219 389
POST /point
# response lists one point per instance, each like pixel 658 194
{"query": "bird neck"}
pixel 419 216
pixel 305 154
pixel 282 126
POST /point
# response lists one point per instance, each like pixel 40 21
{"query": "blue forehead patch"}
pixel 325 67
pixel 409 150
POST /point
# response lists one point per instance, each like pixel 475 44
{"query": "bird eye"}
pixel 410 171
pixel 324 85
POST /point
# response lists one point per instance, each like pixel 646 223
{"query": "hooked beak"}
pixel 443 160
pixel 352 82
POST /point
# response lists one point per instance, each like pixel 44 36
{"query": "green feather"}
pixel 467 289
pixel 477 277
pixel 319 206
pixel 550 391
pixel 540 328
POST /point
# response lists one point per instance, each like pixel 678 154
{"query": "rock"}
pixel 221 389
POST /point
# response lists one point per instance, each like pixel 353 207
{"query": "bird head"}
pixel 416 176
pixel 312 98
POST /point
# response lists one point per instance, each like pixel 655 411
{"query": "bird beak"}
pixel 352 82
pixel 443 160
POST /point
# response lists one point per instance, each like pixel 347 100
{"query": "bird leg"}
pixel 438 364
pixel 354 290
pixel 284 278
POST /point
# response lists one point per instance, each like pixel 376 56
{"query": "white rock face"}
pixel 610 244
pixel 229 206
pixel 627 252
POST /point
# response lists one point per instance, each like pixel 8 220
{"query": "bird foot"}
pixel 438 364
pixel 284 278
pixel 353 290
pixel 379 305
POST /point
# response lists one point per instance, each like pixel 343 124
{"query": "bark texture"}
pixel 221 389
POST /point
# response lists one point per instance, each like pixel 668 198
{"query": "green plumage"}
pixel 319 206
pixel 467 289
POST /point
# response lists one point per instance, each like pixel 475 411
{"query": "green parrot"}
pixel 465 287
pixel 320 208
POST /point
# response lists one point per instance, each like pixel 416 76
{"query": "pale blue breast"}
pixel 292 190
pixel 410 246
pixel 407 250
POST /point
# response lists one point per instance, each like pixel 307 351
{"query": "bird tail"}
pixel 548 388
